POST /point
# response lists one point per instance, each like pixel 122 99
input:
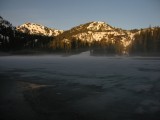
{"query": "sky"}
pixel 65 14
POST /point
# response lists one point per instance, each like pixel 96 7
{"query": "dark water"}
pixel 80 87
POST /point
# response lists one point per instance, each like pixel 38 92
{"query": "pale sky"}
pixel 65 14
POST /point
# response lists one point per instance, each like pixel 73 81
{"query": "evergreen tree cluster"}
pixel 147 41
pixel 102 47
pixel 11 39
pixel 67 46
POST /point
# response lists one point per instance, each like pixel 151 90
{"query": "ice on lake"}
pixel 81 87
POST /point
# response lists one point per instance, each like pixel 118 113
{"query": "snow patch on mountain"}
pixel 37 29
pixel 94 26
pixel 98 31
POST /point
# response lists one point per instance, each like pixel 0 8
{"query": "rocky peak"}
pixel 95 26
pixel 99 26
pixel 32 28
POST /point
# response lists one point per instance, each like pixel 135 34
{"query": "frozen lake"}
pixel 80 87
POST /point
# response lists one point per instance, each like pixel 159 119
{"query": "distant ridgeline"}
pixel 98 37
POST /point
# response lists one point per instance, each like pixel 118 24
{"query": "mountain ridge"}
pixel 93 36
pixel 89 32
pixel 97 31
pixel 34 28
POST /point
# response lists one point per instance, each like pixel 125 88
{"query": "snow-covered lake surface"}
pixel 80 87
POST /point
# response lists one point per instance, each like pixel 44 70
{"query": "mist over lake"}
pixel 79 87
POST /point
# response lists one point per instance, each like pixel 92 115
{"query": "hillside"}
pixel 97 31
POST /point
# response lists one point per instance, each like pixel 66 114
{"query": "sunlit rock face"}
pixel 98 31
pixel 37 29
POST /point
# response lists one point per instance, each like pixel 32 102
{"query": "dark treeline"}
pixel 146 42
pixel 96 47
pixel 11 40
pixel 106 48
